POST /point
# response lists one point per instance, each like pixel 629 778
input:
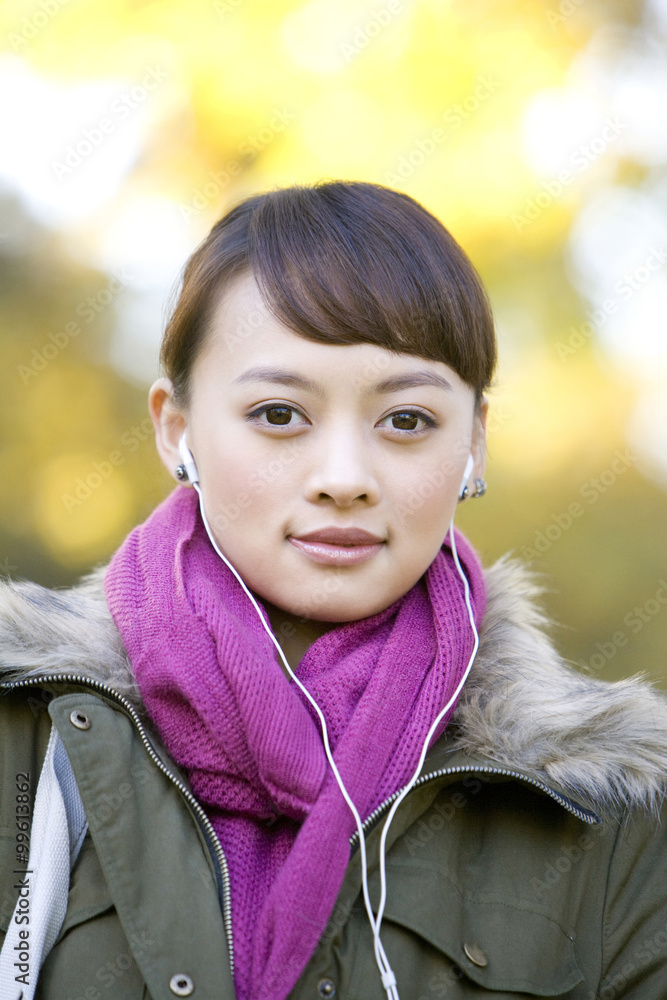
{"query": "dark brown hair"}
pixel 340 263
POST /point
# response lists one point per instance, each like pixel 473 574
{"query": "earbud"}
pixel 470 465
pixel 188 461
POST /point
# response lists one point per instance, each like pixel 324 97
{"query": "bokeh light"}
pixel 536 131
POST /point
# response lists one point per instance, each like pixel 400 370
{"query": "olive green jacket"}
pixel 528 862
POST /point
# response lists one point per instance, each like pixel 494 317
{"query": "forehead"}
pixel 245 336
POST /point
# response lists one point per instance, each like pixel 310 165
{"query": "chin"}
pixel 347 613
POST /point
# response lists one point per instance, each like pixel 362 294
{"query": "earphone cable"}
pixel 325 735
pixel 441 714
pixel 386 973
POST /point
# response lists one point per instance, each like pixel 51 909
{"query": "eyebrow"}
pixel 410 380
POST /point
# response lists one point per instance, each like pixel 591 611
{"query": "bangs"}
pixel 340 263
pixel 352 264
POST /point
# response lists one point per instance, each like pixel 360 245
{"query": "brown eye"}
pixel 405 421
pixel 278 414
pixel 409 423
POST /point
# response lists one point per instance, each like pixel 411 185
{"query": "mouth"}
pixel 338 546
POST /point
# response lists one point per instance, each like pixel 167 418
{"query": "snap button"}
pixel 181 986
pixel 79 719
pixel 475 954
pixel 326 988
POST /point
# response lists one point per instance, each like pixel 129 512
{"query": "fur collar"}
pixel 523 707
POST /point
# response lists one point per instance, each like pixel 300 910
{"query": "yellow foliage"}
pixel 81 503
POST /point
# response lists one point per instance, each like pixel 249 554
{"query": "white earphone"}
pixel 188 460
pixel 386 973
pixel 470 465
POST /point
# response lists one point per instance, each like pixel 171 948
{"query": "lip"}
pixel 335 546
pixel 340 536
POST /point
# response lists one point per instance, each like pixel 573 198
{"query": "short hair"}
pixel 340 262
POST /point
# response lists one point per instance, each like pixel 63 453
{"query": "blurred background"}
pixel 536 131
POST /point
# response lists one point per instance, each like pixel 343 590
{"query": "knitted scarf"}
pixel 249 740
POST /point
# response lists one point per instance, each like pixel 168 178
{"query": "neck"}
pixel 294 633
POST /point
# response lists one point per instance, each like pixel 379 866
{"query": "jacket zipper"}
pixel 585 816
pixel 199 812
pixel 582 814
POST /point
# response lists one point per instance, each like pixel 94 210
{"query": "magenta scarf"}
pixel 248 739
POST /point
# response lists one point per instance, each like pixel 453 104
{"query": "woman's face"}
pixel 294 438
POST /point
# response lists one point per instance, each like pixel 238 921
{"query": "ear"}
pixel 169 422
pixel 479 438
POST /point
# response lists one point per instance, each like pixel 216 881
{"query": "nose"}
pixel 342 470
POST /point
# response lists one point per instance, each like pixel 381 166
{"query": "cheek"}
pixel 423 505
pixel 246 491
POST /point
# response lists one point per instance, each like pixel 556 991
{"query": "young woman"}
pixel 293 741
